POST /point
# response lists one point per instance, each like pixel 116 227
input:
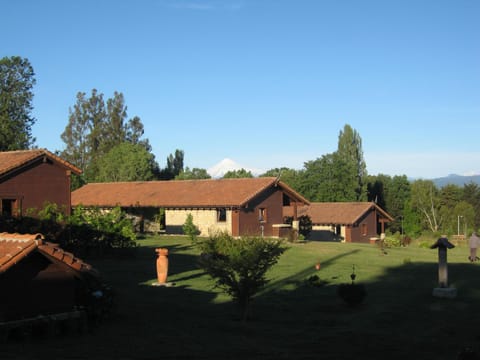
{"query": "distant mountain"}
pixel 454 179
pixel 226 165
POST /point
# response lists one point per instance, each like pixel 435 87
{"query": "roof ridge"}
pixel 33 154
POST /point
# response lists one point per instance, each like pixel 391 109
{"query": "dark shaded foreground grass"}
pixel 291 319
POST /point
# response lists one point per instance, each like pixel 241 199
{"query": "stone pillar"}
pixel 443 290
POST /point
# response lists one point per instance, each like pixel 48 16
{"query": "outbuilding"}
pixel 247 206
pixel 31 178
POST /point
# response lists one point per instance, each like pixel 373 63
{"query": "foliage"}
pixel 351 153
pixel 174 166
pixel 471 194
pixel 291 177
pixel 99 231
pixel 237 174
pixel 314 280
pixel 339 176
pixel 304 224
pixel 391 194
pixel 324 180
pixel 190 229
pixel 95 127
pixel 193 174
pixel 425 199
pixel 84 231
pixel 126 162
pixel 392 241
pixel 160 218
pixel 239 266
pixel 17 79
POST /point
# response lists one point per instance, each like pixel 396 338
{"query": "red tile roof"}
pixel 13 160
pixel 178 194
pixel 15 247
pixel 339 213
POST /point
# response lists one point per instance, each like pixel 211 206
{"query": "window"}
pixel 364 229
pixel 262 214
pixel 222 215
pixel 8 207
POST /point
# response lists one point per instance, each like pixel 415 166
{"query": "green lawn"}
pixel 291 320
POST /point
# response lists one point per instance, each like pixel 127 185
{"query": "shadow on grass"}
pixel 299 278
pixel 292 320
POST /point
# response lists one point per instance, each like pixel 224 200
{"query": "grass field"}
pixel 291 319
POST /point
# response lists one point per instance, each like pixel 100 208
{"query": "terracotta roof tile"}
pixel 183 194
pixel 338 213
pixel 12 160
pixel 15 247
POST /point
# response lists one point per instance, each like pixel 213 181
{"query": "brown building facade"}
pixel 346 221
pixel 249 206
pixel 39 278
pixel 31 178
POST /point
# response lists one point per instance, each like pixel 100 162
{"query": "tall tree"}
pixel 426 201
pixel 174 166
pixel 95 127
pixel 324 179
pixel 471 194
pixel 82 133
pixel 396 196
pixel 17 79
pixel 126 162
pixel 351 153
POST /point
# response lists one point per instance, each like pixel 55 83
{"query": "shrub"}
pixel 190 229
pixel 239 265
pixel 391 241
pixel 352 294
pixel 304 224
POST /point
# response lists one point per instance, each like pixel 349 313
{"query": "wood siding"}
pixel 271 200
pixel 43 181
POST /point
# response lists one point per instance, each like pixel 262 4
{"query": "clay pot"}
pixel 317 266
pixel 162 265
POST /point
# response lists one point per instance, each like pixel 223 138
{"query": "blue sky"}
pixel 267 83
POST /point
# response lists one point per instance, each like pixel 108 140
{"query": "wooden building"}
pixel 31 178
pixel 39 278
pixel 248 206
pixel 345 221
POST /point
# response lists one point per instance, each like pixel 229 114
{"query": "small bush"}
pixel 352 294
pixel 190 229
pixel 391 241
pixel 239 265
pixel 315 281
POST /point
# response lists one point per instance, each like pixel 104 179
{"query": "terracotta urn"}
pixel 162 265
pixel 317 266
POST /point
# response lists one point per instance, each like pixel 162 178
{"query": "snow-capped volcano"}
pixel 226 165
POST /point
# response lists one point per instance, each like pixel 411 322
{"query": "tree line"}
pixel 108 146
